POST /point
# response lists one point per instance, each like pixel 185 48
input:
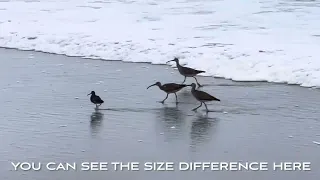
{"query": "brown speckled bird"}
pixel 186 71
pixel 169 88
pixel 202 97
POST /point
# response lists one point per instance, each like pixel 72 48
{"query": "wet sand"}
pixel 47 116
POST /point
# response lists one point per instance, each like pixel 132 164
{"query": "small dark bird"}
pixel 186 71
pixel 202 97
pixel 169 88
pixel 95 99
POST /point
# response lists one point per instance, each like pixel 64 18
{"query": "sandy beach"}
pixel 46 116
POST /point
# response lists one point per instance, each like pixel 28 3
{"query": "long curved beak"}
pixel 169 61
pixel 151 86
pixel 88 94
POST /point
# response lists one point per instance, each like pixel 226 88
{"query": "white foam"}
pixel 221 37
pixel 316 142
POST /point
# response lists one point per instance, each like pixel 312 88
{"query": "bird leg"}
pixel 197 107
pixel 164 99
pixel 176 98
pixel 197 81
pixel 96 106
pixel 184 80
pixel 206 107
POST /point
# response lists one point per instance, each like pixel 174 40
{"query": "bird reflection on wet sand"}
pixel 170 120
pixel 201 130
pixel 96 122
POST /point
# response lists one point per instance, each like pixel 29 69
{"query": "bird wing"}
pixel 98 99
pixel 205 96
pixel 173 86
pixel 188 70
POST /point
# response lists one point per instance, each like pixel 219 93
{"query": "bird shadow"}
pixel 207 112
pixel 96 120
pixel 126 109
pixel 201 129
pixel 170 122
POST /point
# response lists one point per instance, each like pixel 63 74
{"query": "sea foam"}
pixel 274 41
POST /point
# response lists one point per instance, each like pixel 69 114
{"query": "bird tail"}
pixel 216 99
pixel 202 71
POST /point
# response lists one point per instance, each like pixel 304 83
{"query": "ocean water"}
pixel 243 40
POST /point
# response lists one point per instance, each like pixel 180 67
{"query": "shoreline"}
pixel 149 63
pixel 47 116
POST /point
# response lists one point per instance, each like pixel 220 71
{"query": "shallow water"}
pixel 248 40
pixel 46 116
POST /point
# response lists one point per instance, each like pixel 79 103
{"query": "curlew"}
pixel 169 88
pixel 202 96
pixel 186 71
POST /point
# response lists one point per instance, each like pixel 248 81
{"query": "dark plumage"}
pixel 95 99
pixel 186 71
pixel 169 88
pixel 202 97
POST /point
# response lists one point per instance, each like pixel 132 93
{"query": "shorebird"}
pixel 169 88
pixel 202 97
pixel 186 71
pixel 95 99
